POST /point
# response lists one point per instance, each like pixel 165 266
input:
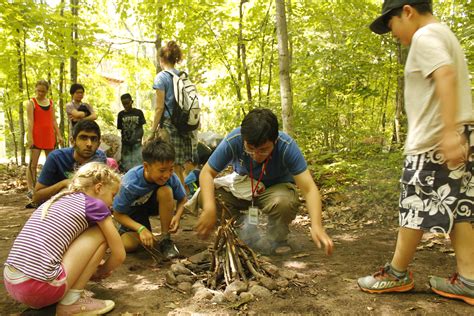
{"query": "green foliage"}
pixel 344 78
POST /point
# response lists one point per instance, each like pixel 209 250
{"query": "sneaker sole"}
pixel 468 300
pixel 104 310
pixel 404 288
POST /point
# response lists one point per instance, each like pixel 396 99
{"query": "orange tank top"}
pixel 43 130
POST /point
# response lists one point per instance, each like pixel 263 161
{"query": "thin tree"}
pixel 284 61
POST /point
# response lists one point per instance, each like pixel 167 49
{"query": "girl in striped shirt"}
pixel 61 246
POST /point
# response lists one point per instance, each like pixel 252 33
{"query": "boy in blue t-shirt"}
pixel 147 190
pixel 267 156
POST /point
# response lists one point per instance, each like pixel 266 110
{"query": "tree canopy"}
pixel 344 78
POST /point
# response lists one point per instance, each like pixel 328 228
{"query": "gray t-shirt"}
pixel 432 47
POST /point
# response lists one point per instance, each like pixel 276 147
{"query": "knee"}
pixel 282 205
pixel 164 193
pixel 130 242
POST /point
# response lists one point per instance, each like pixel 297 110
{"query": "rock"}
pixel 287 274
pixel 237 286
pixel 260 291
pixel 171 278
pixel 201 257
pixel 185 286
pixel 270 268
pixel 247 297
pixel 184 278
pixel 269 283
pixel 282 282
pixel 179 268
pixel 197 286
pixel 252 283
pixel 203 294
pixel 218 298
pixel 230 296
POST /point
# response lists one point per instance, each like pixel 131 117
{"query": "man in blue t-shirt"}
pixel 149 190
pixel 267 156
pixel 62 163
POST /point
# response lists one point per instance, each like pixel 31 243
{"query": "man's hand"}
pixel 321 238
pixel 146 237
pixel 205 224
pixel 174 225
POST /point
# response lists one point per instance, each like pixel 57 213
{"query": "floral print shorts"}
pixel 434 196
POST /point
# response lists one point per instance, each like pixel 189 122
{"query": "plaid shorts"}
pixel 182 143
pixel 434 196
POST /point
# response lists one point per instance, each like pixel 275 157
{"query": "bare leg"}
pixel 165 207
pixel 179 170
pixel 131 241
pixel 83 256
pixel 31 169
pixel 462 238
pixel 407 241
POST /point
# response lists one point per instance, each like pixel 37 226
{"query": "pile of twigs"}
pixel 232 259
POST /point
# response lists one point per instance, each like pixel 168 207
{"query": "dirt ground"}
pixel 139 288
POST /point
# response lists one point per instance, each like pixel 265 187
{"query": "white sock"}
pixel 71 297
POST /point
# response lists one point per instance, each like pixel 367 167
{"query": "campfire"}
pixel 232 259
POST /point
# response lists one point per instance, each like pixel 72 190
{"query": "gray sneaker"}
pixel 452 288
pixel 384 281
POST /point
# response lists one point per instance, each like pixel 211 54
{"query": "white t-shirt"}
pixel 432 47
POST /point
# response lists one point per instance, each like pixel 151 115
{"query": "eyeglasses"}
pixel 260 152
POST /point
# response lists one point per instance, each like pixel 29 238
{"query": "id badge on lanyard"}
pixel 253 215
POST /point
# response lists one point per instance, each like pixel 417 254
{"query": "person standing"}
pixel 43 130
pixel 437 180
pixel 76 109
pixel 130 121
pixel 170 54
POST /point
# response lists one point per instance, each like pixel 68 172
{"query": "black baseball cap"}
pixel 379 25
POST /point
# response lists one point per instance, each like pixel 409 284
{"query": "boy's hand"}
pixel 146 237
pixel 320 237
pixel 453 146
pixel 205 224
pixel 174 225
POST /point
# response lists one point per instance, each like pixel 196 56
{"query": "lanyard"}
pixel 254 189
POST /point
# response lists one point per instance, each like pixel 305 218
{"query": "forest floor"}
pixel 364 241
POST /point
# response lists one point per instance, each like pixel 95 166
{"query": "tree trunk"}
pixel 284 62
pixel 242 55
pixel 61 88
pixel 9 114
pixel 74 38
pixel 399 96
pixel 20 104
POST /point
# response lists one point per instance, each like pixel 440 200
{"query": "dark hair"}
pixel 75 87
pixel 171 53
pixel 126 96
pixel 85 125
pixel 259 126
pixel 158 150
pixel 421 8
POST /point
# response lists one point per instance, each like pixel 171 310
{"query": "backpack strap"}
pixel 172 74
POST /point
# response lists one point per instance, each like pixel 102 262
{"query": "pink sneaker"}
pixel 85 306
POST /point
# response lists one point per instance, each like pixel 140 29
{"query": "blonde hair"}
pixel 86 177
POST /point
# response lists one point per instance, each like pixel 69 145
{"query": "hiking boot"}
pixel 452 288
pixel 85 306
pixel 384 281
pixel 168 249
